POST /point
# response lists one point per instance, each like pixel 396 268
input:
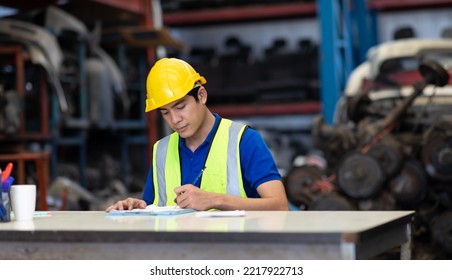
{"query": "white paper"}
pixel 151 210
pixel 207 214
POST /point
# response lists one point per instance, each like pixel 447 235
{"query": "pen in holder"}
pixel 5 206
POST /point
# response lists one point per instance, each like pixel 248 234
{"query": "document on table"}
pixel 151 210
pixel 37 214
pixel 218 214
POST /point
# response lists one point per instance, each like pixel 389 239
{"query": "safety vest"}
pixel 222 172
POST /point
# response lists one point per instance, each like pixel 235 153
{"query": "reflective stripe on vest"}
pixel 223 170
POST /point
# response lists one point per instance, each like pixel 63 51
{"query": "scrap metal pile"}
pixel 390 147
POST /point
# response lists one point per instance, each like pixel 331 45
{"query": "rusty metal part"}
pixel 437 158
pixel 445 199
pixel 299 184
pixel 389 155
pixel 339 136
pixel 331 201
pixel 443 191
pixel 355 105
pixel 428 208
pixel 360 175
pixel 333 141
pixel 410 186
pixel 441 228
pixel 433 73
pixel 384 201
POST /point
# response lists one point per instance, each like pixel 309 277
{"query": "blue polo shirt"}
pixel 257 163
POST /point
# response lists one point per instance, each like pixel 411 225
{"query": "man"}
pixel 208 162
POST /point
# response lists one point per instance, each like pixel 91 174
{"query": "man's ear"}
pixel 202 94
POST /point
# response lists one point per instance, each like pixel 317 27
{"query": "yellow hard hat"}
pixel 170 79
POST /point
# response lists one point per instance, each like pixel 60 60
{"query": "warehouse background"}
pixel 275 65
pixel 426 24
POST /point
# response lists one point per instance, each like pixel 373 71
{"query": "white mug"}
pixel 23 201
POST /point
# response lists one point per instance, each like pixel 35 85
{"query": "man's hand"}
pixel 272 197
pixel 127 204
pixel 189 196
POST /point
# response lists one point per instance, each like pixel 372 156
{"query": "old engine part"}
pixel 299 182
pixel 355 104
pixel 382 132
pixel 333 141
pixel 329 202
pixel 433 73
pixel 445 197
pixel 428 208
pixel 437 158
pixel 10 109
pixel 101 111
pixel 410 186
pixel 389 155
pixel 359 175
pixel 384 201
pixel 441 228
pixel 43 48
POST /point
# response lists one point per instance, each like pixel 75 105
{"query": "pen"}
pixel 7 172
pixel 199 176
pixel 6 186
pixel 195 180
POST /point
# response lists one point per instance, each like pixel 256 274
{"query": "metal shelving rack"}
pixel 136 11
pixel 258 12
pixel 337 18
pixel 240 14
pixel 339 58
pixel 16 56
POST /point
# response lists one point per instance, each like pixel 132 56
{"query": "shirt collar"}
pixel 209 138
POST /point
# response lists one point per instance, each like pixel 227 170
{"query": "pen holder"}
pixel 5 207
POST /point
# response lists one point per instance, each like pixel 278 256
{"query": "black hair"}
pixel 194 92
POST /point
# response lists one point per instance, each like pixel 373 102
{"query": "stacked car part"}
pixel 395 154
